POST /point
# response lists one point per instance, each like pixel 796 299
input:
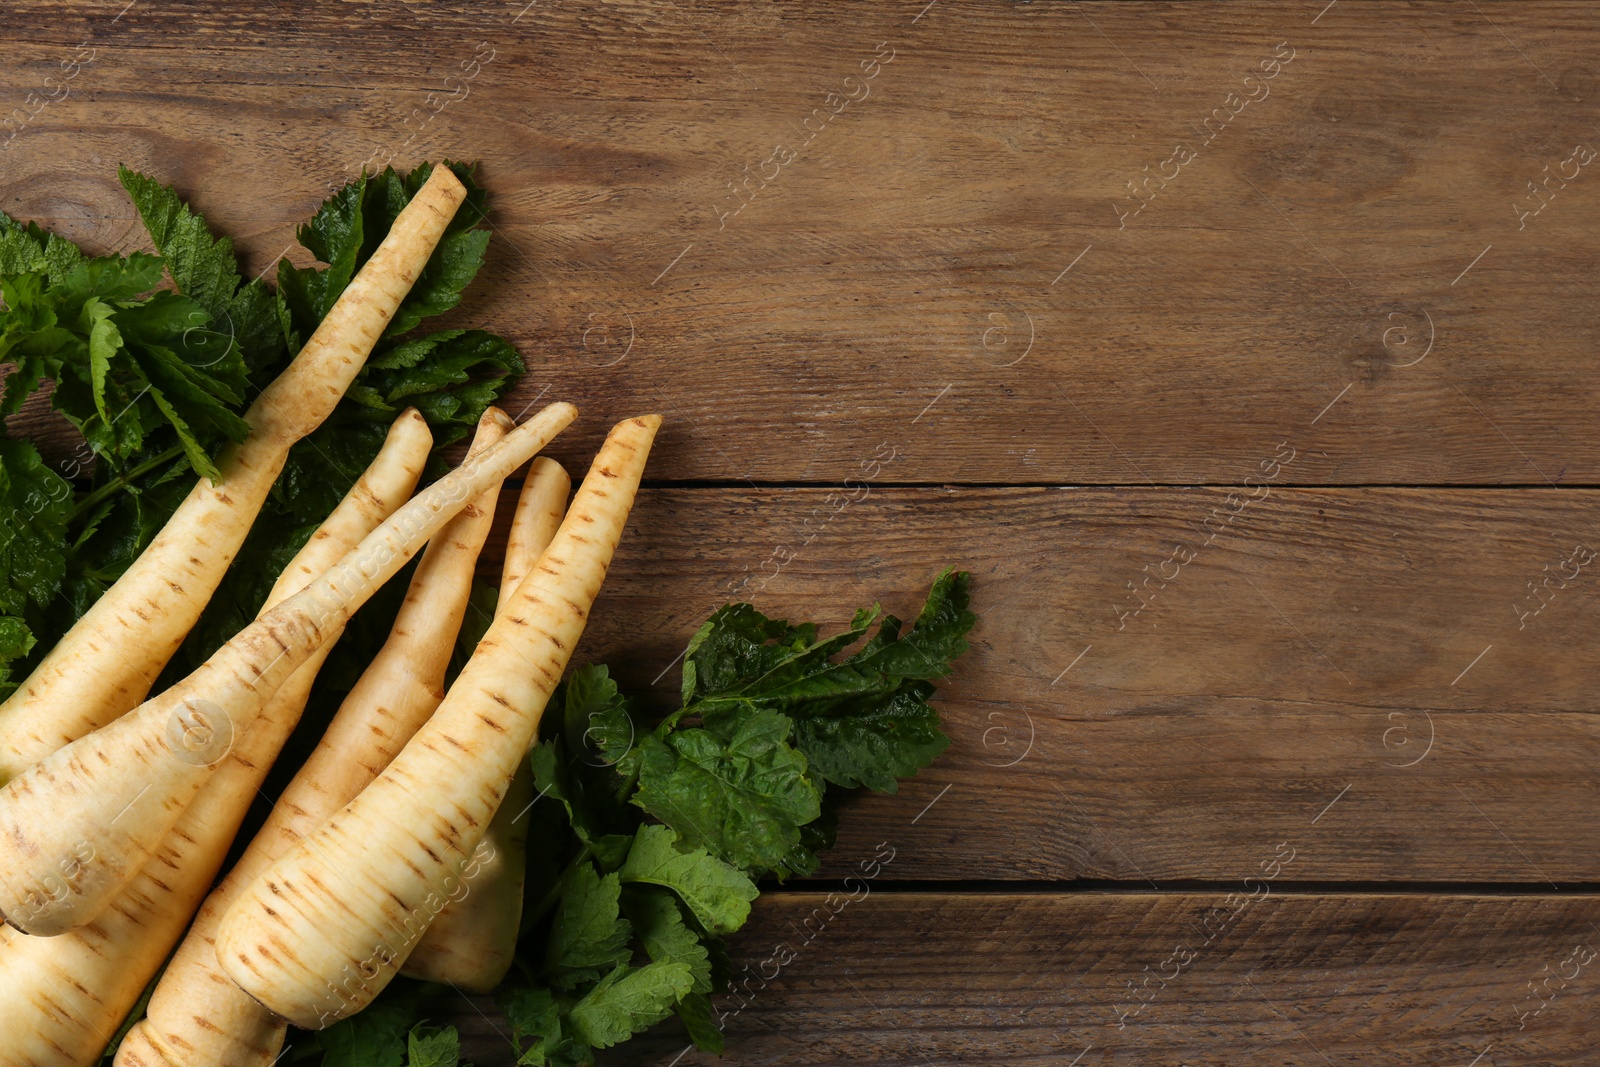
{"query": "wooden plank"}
pixel 1341 668
pixel 904 273
pixel 917 979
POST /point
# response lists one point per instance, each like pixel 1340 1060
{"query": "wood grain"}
pixel 934 311
pixel 1326 645
pixel 902 275
pixel 918 979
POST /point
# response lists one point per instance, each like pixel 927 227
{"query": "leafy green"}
pixel 861 721
pixel 34 505
pixel 628 1000
pixel 658 922
pixel 588 936
pixel 204 269
pixel 699 1021
pixel 433 1048
pixel 717 893
pixel 735 786
pixel 538 1029
pixel 125 368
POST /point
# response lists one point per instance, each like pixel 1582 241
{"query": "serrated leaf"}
pixel 629 1000
pixel 717 893
pixel 875 742
pixel 426 1047
pixel 597 725
pixel 735 787
pixel 700 1022
pixel 861 721
pixel 34 505
pixel 537 1030
pixel 588 935
pixel 658 923
pixel 202 267
pixel 16 641
pixel 450 376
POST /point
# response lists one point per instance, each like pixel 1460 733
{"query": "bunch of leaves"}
pixel 154 359
pixel 647 842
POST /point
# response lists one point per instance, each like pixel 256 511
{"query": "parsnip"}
pixel 61 998
pixel 471 943
pixel 197 1016
pixel 117 792
pixel 329 924
pixel 106 663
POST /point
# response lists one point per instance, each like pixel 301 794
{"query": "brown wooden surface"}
pixel 1339 274
pixel 918 979
pixel 909 246
pixel 1318 643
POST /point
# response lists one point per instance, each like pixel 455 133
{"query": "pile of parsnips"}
pixel 396 848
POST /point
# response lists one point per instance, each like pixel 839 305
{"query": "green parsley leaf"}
pixel 588 935
pixel 535 1016
pixel 735 786
pixel 700 1022
pixel 16 641
pixel 629 1000
pixel 34 504
pixel 433 1048
pixel 450 376
pixel 717 893
pixel 588 813
pixel 861 721
pixel 597 724
pixel 205 270
pixel 658 922
pixel 876 741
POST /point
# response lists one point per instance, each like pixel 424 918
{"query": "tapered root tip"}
pixel 447 182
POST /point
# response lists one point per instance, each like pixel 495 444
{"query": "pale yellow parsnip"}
pixel 106 663
pixel 197 1017
pixel 123 787
pixel 62 997
pixel 472 942
pixel 319 934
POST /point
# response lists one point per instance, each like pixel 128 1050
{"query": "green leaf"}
pixel 629 1000
pixel 717 893
pixel 433 1048
pixel 590 812
pixel 657 921
pixel 700 1022
pixel 451 377
pixel 874 742
pixel 597 724
pixel 21 247
pixel 15 639
pixel 34 505
pixel 203 268
pixel 588 935
pixel 537 1032
pixel 370 1038
pixel 861 721
pixel 104 343
pixel 736 787
pixel 438 288
pixel 336 235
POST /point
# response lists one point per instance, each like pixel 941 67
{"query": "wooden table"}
pixel 1245 353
